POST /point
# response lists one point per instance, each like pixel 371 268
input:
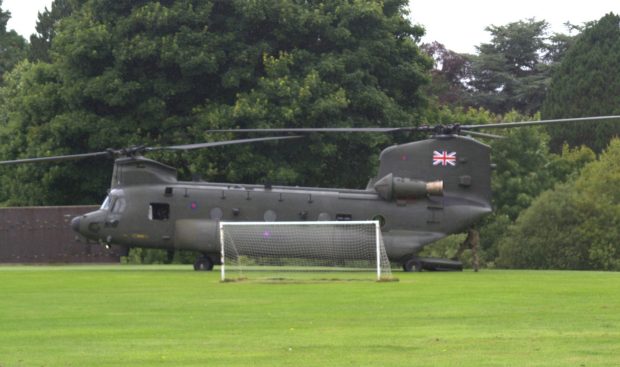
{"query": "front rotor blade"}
pixel 58 158
pixel 220 143
pixel 540 122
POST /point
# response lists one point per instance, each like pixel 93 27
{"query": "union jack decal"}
pixel 444 158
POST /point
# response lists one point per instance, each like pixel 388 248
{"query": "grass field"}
pixel 173 316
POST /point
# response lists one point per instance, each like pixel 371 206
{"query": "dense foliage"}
pixel 574 226
pixel 449 76
pixel 163 72
pixel 47 23
pixel 13 47
pixel 587 84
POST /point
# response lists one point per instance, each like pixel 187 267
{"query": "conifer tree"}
pixel 587 83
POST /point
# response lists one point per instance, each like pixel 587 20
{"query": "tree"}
pixel 575 225
pixel 13 47
pixel 449 75
pixel 521 173
pixel 47 24
pixel 525 169
pixel 559 43
pixel 512 71
pixel 586 84
pixel 158 73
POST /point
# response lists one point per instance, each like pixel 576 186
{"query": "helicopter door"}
pixel 159 215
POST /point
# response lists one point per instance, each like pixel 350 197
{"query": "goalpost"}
pixel 286 250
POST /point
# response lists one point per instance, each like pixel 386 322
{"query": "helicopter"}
pixel 423 191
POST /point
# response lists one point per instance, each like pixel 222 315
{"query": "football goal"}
pixel 303 250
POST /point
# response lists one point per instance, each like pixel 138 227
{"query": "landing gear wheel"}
pixel 203 264
pixel 412 265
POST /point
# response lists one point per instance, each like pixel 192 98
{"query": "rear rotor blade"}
pixel 540 122
pixel 481 135
pixel 59 158
pixel 448 129
pixel 317 130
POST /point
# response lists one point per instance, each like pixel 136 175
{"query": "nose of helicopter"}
pixel 75 224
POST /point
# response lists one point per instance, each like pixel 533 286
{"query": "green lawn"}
pixel 171 315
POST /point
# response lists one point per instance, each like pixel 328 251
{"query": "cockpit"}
pixel 114 203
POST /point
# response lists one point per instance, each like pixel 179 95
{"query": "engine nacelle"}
pixel 390 187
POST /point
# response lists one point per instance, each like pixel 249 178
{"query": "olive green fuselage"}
pixel 148 207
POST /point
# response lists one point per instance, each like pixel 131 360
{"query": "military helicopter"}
pixel 423 191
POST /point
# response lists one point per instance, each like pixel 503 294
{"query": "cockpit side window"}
pixel 159 211
pixel 118 206
pixel 106 204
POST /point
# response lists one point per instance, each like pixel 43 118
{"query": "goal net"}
pixel 303 250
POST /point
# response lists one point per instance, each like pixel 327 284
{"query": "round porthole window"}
pixel 216 214
pixel 379 218
pixel 270 216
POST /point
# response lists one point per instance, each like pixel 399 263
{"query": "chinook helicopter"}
pixel 423 191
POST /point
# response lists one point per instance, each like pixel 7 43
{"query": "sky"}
pixel 24 14
pixel 458 24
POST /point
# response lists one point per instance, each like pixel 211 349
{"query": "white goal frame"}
pixel 376 223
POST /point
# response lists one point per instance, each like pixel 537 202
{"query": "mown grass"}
pixel 173 316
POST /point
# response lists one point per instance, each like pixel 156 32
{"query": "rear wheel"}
pixel 412 265
pixel 203 264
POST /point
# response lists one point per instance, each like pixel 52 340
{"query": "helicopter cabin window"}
pixel 344 217
pixel 159 211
